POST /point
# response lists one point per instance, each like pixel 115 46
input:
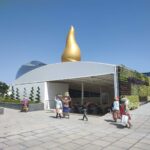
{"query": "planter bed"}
pixel 32 107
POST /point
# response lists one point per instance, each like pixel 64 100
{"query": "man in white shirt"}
pixel 116 109
pixel 58 105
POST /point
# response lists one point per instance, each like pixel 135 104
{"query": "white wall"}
pixel 28 90
pixel 48 91
pixel 54 89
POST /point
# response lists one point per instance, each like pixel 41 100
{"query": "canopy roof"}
pixel 67 71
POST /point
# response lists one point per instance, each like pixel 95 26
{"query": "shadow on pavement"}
pixel 52 117
pixel 120 126
pixel 108 120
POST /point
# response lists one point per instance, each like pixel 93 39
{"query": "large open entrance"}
pixel 96 91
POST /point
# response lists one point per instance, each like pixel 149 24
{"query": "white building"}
pixel 86 81
pixel 77 77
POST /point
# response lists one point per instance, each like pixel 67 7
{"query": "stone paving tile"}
pixel 57 135
pixel 13 142
pixel 38 131
pixel 62 140
pixel 50 145
pixel 90 147
pixel 46 139
pixel 3 145
pixel 81 141
pixel 142 130
pixel 37 148
pixel 73 136
pixel 31 143
pixel 70 146
pixel 101 143
pixel 148 135
pixel 27 134
pixel 16 147
pixel 125 131
pixel 28 138
pixel 116 135
pixel 134 136
pixel 90 138
pixel 3 139
pixel 109 139
pixel 100 134
pixel 113 148
pixel 122 145
pixel 142 146
pixel 57 148
pixel 14 137
pixel 128 140
pixel 68 134
pixel 40 135
pixel 135 148
pixel 145 140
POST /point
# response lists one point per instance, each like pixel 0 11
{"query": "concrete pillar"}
pixel 82 93
pixel 116 87
pixel 100 90
pixel 46 97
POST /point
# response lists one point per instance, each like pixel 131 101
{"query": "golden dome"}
pixel 72 50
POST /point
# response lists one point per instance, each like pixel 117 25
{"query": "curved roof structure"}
pixel 28 67
pixel 64 71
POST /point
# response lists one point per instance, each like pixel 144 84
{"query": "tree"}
pixel 3 89
pixel 12 93
pixel 17 94
pixel 32 94
pixel 38 94
pixel 25 92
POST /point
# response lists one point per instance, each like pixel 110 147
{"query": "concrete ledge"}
pixel 1 110
pixel 36 106
pixel 32 107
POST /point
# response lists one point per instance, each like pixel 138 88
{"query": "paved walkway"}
pixel 41 131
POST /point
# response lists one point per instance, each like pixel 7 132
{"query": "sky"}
pixel 107 31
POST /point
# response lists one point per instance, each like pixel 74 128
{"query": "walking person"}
pixel 84 109
pixel 66 101
pixel 115 109
pixel 58 105
pixel 124 109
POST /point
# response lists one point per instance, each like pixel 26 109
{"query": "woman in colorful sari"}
pixel 66 101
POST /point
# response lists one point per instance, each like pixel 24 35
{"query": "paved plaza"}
pixel 39 130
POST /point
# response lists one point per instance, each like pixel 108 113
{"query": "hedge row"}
pixel 133 101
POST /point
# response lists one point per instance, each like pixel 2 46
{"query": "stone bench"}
pixel 1 110
pixel 32 106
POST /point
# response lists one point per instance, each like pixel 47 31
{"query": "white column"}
pixel 82 93
pixel 46 97
pixel 116 87
pixel 100 90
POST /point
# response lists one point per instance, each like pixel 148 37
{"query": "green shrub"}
pixel 148 90
pixel 38 95
pixel 134 89
pixel 148 98
pixel 133 101
pixel 9 100
pixel 32 94
pixel 15 101
pixel 143 90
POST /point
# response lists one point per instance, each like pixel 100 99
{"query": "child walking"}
pixel 84 108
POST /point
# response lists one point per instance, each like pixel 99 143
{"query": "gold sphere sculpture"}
pixel 72 51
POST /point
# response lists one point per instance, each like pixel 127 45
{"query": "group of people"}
pixel 120 110
pixel 62 105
